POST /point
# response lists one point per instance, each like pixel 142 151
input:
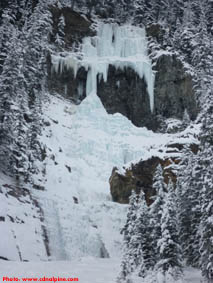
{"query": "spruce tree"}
pixel 128 262
pixel 59 40
pixel 206 248
pixel 189 208
pixel 206 241
pixel 9 102
pixel 157 207
pixel 143 234
pixel 7 31
pixel 202 49
pixel 36 35
pixel 23 83
pixel 168 246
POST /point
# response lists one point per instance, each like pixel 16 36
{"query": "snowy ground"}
pixel 21 226
pixel 89 142
pixel 83 144
pixel 88 270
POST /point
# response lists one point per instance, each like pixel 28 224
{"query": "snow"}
pixel 192 275
pixel 88 270
pixel 92 225
pixel 21 229
pixel 90 142
pixel 121 46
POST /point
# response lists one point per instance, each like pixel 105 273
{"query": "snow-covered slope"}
pixel 83 144
pixel 21 224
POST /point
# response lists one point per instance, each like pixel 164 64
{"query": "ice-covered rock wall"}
pixel 120 46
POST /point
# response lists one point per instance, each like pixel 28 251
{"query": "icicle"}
pixel 60 63
pixel 71 63
pixel 91 86
pixel 80 89
pixel 120 46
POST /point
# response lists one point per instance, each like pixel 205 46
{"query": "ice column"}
pixel 120 46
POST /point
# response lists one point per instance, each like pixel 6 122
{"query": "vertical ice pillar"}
pixel 120 46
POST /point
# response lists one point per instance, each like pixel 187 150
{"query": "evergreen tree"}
pixel 207 217
pixel 183 205
pixel 209 16
pixel 59 40
pixel 143 233
pixel 201 55
pixel 156 208
pixel 186 118
pixel 129 260
pixel 22 85
pixel 9 101
pixel 168 246
pixel 139 252
pixel 7 31
pixel 178 11
pixel 36 35
pixel 205 160
pixel 185 40
pixel 143 12
pixel 188 200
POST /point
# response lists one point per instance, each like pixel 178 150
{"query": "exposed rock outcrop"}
pixel 76 26
pixel 126 93
pixel 66 84
pixel 140 176
pixel 155 31
pixel 173 89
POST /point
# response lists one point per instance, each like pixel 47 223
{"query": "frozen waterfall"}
pixel 120 46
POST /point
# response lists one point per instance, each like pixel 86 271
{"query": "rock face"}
pixel 173 89
pixel 76 26
pixel 66 84
pixel 140 176
pixel 126 93
pixel 155 31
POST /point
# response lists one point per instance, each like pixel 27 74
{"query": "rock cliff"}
pixel 139 176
